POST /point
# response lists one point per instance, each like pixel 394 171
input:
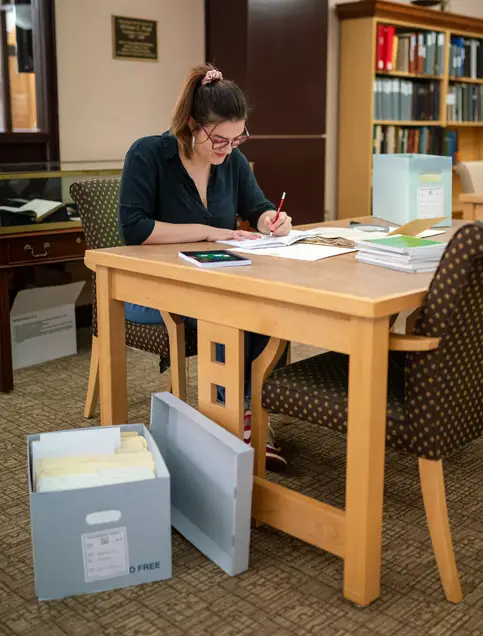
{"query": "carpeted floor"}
pixel 291 588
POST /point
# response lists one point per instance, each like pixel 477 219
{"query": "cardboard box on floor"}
pixel 42 322
pixel 203 487
pixel 101 538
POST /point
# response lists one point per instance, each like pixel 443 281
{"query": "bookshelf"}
pixel 441 89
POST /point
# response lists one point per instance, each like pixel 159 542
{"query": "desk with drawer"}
pixel 57 239
pixel 27 246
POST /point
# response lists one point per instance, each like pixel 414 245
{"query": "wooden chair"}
pixel 97 202
pixel 470 174
pixel 435 386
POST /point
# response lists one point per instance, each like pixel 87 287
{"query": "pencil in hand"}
pixel 278 211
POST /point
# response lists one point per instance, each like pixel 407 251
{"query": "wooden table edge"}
pixel 280 291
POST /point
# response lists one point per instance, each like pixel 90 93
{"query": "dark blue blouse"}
pixel 156 187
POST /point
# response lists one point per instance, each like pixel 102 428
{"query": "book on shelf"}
pixel 385 47
pixel 406 100
pixel 404 253
pixel 464 103
pixel 423 140
pixel 466 58
pixel 409 52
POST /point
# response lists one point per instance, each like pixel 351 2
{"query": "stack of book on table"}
pixel 405 253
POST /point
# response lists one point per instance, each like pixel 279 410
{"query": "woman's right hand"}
pixel 219 234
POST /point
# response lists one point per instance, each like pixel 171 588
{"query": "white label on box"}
pixel 105 554
pixel 430 202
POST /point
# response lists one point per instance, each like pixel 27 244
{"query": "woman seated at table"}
pixel 190 184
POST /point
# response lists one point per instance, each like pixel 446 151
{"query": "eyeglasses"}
pixel 220 142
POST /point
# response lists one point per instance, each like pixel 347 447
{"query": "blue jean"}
pixel 255 343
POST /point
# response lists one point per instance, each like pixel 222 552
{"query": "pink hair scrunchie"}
pixel 210 76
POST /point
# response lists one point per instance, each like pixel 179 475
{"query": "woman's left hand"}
pixel 281 227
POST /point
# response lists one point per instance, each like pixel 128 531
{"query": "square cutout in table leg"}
pixel 217 353
pixel 221 371
pixel 218 395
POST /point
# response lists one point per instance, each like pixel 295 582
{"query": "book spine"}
pixel 473 60
pixel 395 46
pixel 440 54
pixel 388 47
pixel 380 47
pixel 421 54
pixel 412 53
pixel 396 99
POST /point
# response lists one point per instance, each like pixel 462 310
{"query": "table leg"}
pixel 112 352
pixel 6 371
pixel 228 375
pixel 365 459
pixel 469 211
pixel 177 353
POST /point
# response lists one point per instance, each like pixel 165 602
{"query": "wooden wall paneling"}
pixel 287 64
pixel 295 166
pixel 226 25
pixel 276 50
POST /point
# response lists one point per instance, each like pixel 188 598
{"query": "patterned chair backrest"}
pixel 444 387
pixel 97 202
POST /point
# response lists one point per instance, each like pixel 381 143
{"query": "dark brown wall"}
pixel 277 50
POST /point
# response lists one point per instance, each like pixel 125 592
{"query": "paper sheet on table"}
pixel 300 252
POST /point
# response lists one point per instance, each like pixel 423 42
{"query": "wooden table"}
pixel 26 246
pixel 336 304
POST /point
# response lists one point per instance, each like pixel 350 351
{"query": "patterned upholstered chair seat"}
pixel 97 202
pixel 150 338
pixel 315 390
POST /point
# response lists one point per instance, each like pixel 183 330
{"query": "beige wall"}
pixel 105 104
pixel 465 7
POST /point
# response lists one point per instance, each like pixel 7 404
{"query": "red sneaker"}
pixel 274 459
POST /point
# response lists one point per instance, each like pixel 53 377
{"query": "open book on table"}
pixel 36 209
pixel 330 233
pixel 271 241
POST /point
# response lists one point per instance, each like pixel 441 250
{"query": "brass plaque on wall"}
pixel 134 39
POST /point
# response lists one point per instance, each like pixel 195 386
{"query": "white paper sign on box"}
pixel 42 322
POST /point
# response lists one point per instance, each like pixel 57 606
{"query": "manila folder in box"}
pixel 413 228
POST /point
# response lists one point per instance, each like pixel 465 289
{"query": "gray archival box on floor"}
pixel 211 481
pixel 76 553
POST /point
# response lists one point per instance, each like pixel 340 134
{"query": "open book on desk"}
pixel 36 209
pixel 270 241
pixel 331 233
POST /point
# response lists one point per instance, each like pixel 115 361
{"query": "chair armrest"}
pixel 407 342
pixel 471 197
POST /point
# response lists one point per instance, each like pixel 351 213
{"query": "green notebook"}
pixel 404 244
